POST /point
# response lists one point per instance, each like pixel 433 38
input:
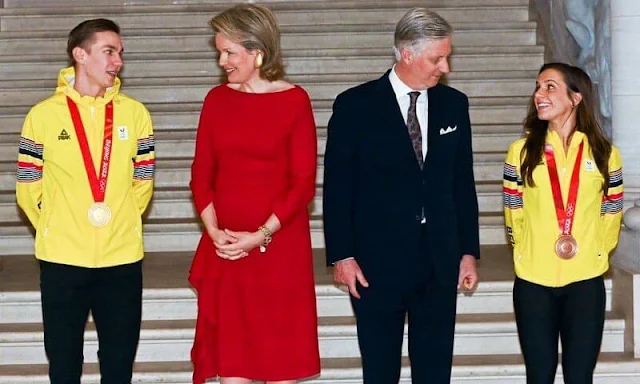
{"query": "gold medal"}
pixel 99 214
pixel 566 247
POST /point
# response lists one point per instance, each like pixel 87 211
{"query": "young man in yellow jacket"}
pixel 85 176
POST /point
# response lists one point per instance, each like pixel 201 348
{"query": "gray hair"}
pixel 416 28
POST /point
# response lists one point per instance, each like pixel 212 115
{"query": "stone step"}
pixel 184 16
pixel 180 143
pixel 612 368
pixel 176 173
pixel 178 235
pixel 308 36
pixel 479 334
pixel 20 273
pixel 179 111
pixel 327 87
pixel 488 111
pixel 288 54
pixel 143 30
pixel 485 319
pixel 168 296
pixel 66 6
pixel 176 203
pixel 496 137
pixel 377 61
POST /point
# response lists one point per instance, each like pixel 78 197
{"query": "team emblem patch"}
pixel 123 132
pixel 64 135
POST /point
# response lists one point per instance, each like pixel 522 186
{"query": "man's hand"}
pixel 346 272
pixel 468 278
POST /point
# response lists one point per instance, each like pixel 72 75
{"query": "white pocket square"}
pixel 448 130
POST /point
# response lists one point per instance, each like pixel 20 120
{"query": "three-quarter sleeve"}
pixel 302 153
pixel 203 168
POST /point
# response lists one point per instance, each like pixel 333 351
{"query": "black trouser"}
pixel 380 316
pixel 114 297
pixel 574 312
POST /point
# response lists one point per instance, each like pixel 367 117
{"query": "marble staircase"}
pixel 329 45
pixel 486 345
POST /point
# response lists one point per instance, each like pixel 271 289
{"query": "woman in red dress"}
pixel 252 179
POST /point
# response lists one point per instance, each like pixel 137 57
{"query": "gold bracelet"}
pixel 268 237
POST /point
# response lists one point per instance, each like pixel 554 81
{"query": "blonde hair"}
pixel 255 28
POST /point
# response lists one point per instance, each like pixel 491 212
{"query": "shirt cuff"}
pixel 339 261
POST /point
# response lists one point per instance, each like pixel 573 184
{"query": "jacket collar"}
pixel 556 142
pixel 66 80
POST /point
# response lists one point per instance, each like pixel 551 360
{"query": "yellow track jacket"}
pixel 531 221
pixel 52 185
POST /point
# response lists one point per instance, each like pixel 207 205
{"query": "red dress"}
pixel 256 155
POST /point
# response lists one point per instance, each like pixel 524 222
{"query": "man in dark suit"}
pixel 400 205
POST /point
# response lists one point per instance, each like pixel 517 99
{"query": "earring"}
pixel 258 61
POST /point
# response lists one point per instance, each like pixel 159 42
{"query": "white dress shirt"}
pixel 404 100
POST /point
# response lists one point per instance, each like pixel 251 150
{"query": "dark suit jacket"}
pixel 374 191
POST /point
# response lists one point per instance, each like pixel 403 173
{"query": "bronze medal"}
pixel 566 247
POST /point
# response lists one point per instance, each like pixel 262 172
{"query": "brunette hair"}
pixel 255 28
pixel 577 81
pixel 82 35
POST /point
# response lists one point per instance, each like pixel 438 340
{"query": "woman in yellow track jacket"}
pixel 563 198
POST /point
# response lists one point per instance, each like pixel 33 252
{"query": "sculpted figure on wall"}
pixel 579 32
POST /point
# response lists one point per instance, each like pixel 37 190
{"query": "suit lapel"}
pixel 388 105
pixel 391 116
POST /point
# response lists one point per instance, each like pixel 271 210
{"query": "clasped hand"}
pixel 232 245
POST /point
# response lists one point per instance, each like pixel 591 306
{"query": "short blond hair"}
pixel 255 28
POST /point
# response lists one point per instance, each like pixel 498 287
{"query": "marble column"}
pixel 625 58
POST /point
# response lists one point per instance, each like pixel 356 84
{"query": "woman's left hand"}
pixel 247 241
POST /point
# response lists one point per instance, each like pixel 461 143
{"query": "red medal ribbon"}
pixel 98 182
pixel 565 216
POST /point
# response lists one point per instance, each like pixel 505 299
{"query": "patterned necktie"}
pixel 414 128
